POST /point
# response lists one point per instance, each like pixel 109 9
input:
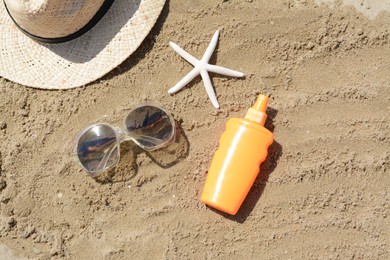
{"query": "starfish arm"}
pixel 224 71
pixel 184 81
pixel 188 57
pixel 209 88
pixel 210 49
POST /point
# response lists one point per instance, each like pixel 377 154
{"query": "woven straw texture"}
pixel 52 18
pixel 80 61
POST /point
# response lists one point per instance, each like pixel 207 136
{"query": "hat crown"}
pixel 52 18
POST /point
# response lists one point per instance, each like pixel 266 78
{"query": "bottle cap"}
pixel 257 112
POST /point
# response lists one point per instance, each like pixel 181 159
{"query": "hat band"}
pixel 95 19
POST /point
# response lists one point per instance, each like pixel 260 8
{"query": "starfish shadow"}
pixel 214 60
pixel 193 83
pixel 202 67
pixel 198 79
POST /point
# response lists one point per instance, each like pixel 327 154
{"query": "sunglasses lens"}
pixel 97 148
pixel 150 126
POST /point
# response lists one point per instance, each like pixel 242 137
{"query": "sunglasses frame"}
pixel 122 135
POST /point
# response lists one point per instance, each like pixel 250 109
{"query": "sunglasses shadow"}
pixel 166 157
pixel 126 169
pixel 172 154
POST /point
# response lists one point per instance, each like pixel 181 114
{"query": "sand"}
pixel 323 192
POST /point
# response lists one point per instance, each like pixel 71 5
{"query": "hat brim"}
pixel 82 60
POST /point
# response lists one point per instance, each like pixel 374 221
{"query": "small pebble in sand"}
pixel 3 125
pixel 36 250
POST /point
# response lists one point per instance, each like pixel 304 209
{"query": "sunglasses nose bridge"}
pixel 123 135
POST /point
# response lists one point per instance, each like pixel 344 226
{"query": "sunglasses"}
pixel 98 146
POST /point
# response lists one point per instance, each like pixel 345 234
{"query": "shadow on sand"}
pixel 165 157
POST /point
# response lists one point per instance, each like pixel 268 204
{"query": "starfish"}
pixel 202 67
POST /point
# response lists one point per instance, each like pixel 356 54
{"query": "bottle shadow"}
pixel 166 157
pixel 275 151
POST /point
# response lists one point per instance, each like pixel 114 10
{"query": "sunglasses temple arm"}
pixel 122 138
pixel 147 138
pixel 107 156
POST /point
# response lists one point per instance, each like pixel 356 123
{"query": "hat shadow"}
pixel 90 44
pixel 165 157
pixel 143 49
pixel 275 151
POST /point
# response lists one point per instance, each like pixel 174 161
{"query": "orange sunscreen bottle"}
pixel 242 148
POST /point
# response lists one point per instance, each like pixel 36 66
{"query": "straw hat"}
pixel 61 44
